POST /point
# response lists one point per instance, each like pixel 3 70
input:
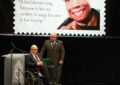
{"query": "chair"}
pixel 32 79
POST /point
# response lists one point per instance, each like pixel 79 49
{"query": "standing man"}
pixel 54 49
pixel 33 62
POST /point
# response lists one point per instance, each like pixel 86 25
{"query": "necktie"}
pixel 52 43
pixel 39 73
pixel 37 58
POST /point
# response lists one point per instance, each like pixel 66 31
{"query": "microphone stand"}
pixel 11 55
pixel 14 47
pixel 11 52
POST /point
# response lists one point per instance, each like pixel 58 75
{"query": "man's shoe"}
pixel 59 84
pixel 39 74
pixel 52 83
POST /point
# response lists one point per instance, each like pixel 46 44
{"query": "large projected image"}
pixel 83 17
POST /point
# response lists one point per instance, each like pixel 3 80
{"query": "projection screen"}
pixel 79 17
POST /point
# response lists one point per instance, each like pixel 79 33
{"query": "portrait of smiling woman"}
pixel 81 16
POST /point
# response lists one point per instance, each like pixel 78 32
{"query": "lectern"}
pixel 14 69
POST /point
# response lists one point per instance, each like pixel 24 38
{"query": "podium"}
pixel 14 69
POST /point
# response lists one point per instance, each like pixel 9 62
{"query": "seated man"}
pixel 33 62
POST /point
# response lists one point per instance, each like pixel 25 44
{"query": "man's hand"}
pixel 61 62
pixel 40 63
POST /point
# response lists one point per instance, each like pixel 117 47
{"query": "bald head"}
pixel 53 37
pixel 34 49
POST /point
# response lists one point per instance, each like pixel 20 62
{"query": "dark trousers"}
pixel 55 72
pixel 52 73
pixel 58 73
pixel 45 73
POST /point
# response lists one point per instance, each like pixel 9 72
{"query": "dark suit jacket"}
pixel 31 63
pixel 55 52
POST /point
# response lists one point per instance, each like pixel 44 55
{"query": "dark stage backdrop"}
pixel 89 61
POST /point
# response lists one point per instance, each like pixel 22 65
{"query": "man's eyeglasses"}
pixel 35 49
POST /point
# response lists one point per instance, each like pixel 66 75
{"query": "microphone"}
pixel 14 47
pixel 21 50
